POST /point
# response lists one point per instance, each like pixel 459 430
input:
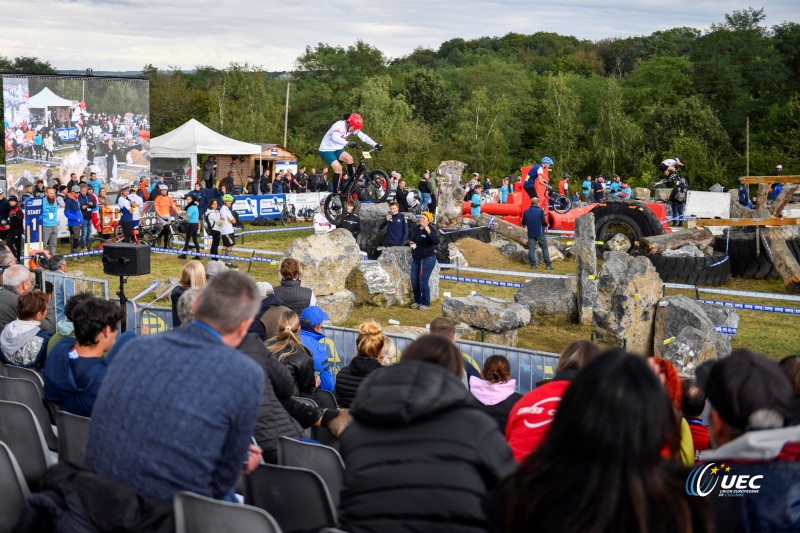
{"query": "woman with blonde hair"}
pixel 192 277
pixel 287 348
pixel 369 351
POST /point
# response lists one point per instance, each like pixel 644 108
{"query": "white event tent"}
pixel 194 138
pixel 45 99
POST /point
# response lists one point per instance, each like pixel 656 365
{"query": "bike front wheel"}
pixel 377 186
pixel 561 204
pixel 96 243
pixel 284 217
pixel 333 209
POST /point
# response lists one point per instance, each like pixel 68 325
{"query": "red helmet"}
pixel 356 121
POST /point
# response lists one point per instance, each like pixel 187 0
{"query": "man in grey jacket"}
pixel 17 281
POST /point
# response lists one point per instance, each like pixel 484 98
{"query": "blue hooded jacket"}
pixel 311 340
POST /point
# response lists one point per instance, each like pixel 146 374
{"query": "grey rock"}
pixel 618 243
pixel 515 250
pixel 628 289
pixel 468 333
pixel 661 195
pixel 326 260
pixel 371 284
pixel 687 250
pixel 372 235
pixel 486 313
pixel 396 261
pixel 737 209
pixel 414 331
pixel 641 193
pixel 455 257
pixel 716 188
pixel 451 194
pixel 550 298
pixel 338 305
pixel 585 253
pixel 685 332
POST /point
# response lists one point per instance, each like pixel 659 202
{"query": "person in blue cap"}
pixel 311 320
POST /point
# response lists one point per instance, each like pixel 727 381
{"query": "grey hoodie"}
pixel 20 342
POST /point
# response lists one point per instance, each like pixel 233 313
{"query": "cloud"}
pixel 122 35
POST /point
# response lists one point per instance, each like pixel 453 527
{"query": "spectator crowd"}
pixel 430 440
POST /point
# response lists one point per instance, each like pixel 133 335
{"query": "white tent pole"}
pixel 194 171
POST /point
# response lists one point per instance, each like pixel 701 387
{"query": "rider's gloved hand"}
pixel 379 147
pixel 352 144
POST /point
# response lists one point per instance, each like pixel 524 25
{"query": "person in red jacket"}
pixel 530 418
pixel 693 401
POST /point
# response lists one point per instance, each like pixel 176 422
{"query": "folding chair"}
pixel 25 391
pixel 21 432
pixel 296 497
pixel 11 371
pixel 323 460
pixel 13 490
pixel 200 514
pixel 73 434
pixel 308 401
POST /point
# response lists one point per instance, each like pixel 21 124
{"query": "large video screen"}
pixel 54 127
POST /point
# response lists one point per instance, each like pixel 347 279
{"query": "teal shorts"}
pixel 330 157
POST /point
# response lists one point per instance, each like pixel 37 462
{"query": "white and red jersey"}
pixel 336 138
pixel 322 224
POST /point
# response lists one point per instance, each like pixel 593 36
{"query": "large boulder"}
pixel 585 253
pixel 454 255
pixel 371 284
pixel 550 298
pixel 396 261
pixel 641 194
pixel 618 243
pixel 372 235
pixel 483 312
pixel 716 188
pixel 414 331
pixel 338 305
pixel 451 194
pixel 686 334
pixel 628 289
pixel 468 333
pixel 325 259
pixel 515 250
pixel 687 250
pixel 661 195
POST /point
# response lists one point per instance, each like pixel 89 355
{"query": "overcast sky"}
pixel 121 35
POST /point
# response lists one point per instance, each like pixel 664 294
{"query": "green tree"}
pixel 558 132
pixel 478 135
pixel 427 92
pixel 617 138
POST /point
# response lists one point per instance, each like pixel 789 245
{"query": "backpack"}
pixel 208 224
pixel 680 193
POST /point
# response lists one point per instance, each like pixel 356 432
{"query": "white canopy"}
pixel 47 98
pixel 194 138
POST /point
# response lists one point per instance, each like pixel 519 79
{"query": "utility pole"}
pixel 286 117
pixel 747 137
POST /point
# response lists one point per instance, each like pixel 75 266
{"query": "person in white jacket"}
pixel 331 149
pixel 226 221
pixel 321 222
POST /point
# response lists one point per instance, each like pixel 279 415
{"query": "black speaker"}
pixel 125 259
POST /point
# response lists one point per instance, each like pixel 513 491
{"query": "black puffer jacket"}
pixel 301 365
pixel 419 442
pixel 273 419
pixel 350 377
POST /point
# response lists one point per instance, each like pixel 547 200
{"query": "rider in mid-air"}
pixel 331 149
pixel 667 166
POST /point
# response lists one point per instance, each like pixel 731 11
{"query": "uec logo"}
pixel 702 481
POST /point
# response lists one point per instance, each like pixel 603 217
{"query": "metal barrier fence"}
pixel 527 366
pixel 148 319
pixel 66 285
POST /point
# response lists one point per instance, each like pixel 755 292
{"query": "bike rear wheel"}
pixel 96 243
pixel 284 217
pixel 561 204
pixel 333 209
pixel 377 186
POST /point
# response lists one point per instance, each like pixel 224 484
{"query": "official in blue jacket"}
pixel 72 210
pixel 310 326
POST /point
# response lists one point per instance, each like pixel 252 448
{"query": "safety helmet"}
pixel 356 121
pixel 163 188
pixel 227 198
pixel 547 160
pixel 567 175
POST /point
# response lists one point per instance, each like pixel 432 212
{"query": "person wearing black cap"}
pixel 751 405
pixel 16 227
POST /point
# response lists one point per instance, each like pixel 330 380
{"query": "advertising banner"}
pixel 33 225
pixel 56 126
pixel 259 206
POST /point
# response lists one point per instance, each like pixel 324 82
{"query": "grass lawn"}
pixel 773 334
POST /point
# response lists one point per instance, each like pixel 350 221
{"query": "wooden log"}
pixel 768 221
pixel 761 199
pixel 672 241
pixel 501 227
pixel 754 180
pixel 783 198
pixel 787 266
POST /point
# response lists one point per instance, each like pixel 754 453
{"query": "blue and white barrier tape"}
pixel 745 294
pixel 726 330
pixel 756 307
pixel 504 272
pixel 481 281
pixel 148 290
pixel 215 256
pixel 273 230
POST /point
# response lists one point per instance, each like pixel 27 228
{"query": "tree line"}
pixel 614 106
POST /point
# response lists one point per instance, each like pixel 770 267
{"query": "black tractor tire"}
pixel 632 219
pixel 703 271
pixel 744 261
